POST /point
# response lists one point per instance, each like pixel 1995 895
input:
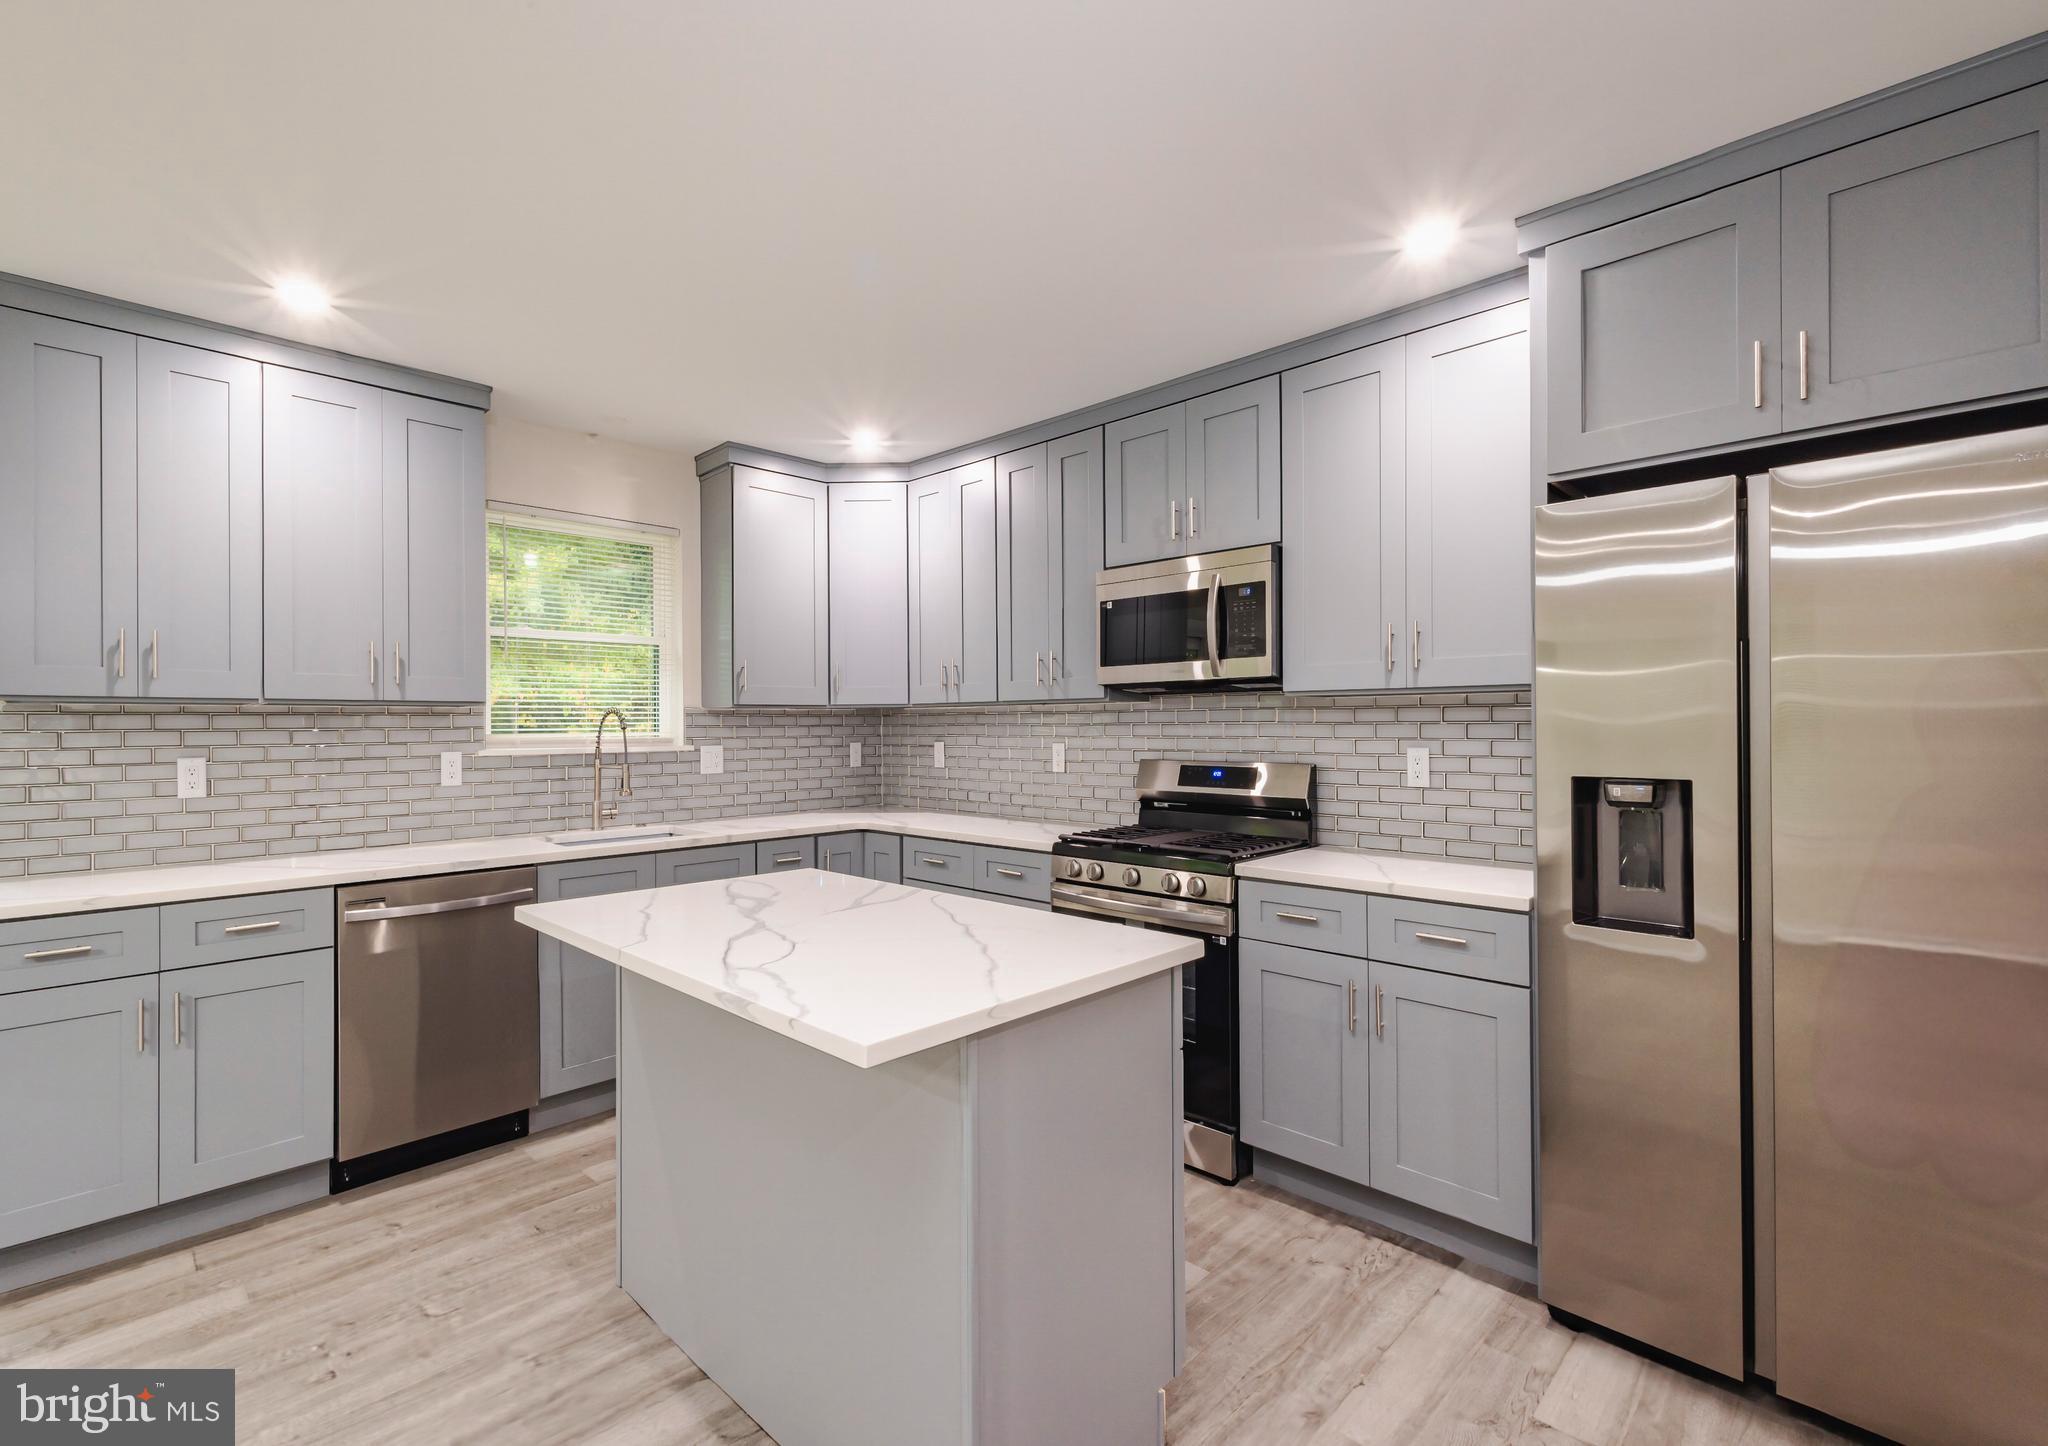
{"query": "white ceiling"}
pixel 774 221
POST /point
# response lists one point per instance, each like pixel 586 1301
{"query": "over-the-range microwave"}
pixel 1208 621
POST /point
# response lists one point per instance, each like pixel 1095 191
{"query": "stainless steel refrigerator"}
pixel 1792 886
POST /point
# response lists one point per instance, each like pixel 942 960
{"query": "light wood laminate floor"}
pixel 475 1302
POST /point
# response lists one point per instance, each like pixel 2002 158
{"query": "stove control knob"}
pixel 1095 873
pixel 1073 868
pixel 1170 883
pixel 1196 888
pixel 1132 877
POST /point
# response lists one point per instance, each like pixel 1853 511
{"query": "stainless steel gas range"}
pixel 1176 869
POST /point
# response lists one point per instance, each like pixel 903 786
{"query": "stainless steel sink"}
pixel 584 838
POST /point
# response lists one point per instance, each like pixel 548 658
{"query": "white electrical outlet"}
pixel 1418 767
pixel 451 768
pixel 853 754
pixel 938 755
pixel 191 778
pixel 711 758
pixel 1059 758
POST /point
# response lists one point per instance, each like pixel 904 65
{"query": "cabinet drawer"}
pixel 1451 939
pixel 780 855
pixel 927 861
pixel 213 931
pixel 1328 919
pixel 77 949
pixel 1013 872
pixel 694 866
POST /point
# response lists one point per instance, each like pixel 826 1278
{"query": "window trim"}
pixel 673 737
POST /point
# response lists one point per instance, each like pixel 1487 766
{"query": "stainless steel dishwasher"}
pixel 437 1005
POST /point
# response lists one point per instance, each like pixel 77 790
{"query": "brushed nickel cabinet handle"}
pixel 1038 669
pixel 177 1018
pixel 1415 658
pixel 1390 647
pixel 397 665
pixel 121 654
pixel 1379 1011
pixel 835 682
pixel 1294 918
pixel 1448 940
pixel 743 678
pixel 789 858
pixel 1010 873
pixel 933 860
pixel 1173 520
pixel 141 1029
pixel 1351 1006
pixel 1802 366
pixel 1756 368
pixel 1194 519
pixel 69 951
pixel 1055 665
pixel 372 651
pixel 264 927
pixel 152 654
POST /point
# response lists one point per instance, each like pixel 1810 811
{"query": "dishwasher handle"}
pixel 362 913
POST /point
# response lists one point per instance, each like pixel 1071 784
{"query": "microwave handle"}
pixel 1215 649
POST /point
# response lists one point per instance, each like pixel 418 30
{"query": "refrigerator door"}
pixel 1640 1033
pixel 1909 878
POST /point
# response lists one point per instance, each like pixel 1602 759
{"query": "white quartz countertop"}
pixel 1448 881
pixel 865 971
pixel 133 888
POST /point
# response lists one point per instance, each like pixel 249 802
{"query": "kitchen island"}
pixel 899 1166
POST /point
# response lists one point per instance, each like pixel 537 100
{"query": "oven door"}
pixel 1208 1017
pixel 1208 619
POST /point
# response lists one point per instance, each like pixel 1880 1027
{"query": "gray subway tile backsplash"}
pixel 92 786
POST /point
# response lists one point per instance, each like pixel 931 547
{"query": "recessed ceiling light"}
pixel 864 441
pixel 308 298
pixel 1429 238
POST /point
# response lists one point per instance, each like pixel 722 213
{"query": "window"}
pixel 583 618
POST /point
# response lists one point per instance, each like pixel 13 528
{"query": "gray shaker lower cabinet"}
pixel 78 1134
pixel 579 992
pixel 883 857
pixel 1302 1056
pixel 781 855
pixel 1450 1094
pixel 842 853
pixel 247 1070
pixel 694 866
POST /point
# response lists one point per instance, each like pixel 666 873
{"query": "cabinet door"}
pixel 934 588
pixel 694 866
pixel 842 853
pixel 870 597
pixel 1656 327
pixel 1075 464
pixel 780 537
pixel 1915 266
pixel 433 551
pixel 1233 467
pixel 1302 1056
pixel 247 1074
pixel 1467 513
pixel 976 680
pixel 1144 477
pixel 78 1072
pixel 1346 455
pixel 579 992
pixel 782 855
pixel 1450 1096
pixel 199 509
pixel 884 857
pixel 67 509
pixel 323 537
pixel 1028 601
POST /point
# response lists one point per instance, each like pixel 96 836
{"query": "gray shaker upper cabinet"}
pixel 199 513
pixel 869 593
pixel 67 509
pixel 1232 440
pixel 1467 551
pixel 780 579
pixel 1048 551
pixel 433 551
pixel 323 537
pixel 1344 488
pixel 975 681
pixel 1660 331
pixel 1914 266
pixel 1144 486
pixel 952 585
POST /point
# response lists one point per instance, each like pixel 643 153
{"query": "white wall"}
pixel 543 466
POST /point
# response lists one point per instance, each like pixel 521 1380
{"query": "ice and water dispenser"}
pixel 1632 854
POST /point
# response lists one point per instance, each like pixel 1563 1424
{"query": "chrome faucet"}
pixel 598 810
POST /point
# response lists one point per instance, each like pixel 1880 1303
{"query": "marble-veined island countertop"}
pixel 867 972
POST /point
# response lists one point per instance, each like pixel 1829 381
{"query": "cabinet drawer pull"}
pixel 1449 941
pixel 1294 918
pixel 262 928
pixel 1351 1005
pixel 1379 1011
pixel 69 951
pixel 789 858
pixel 177 1018
pixel 1010 873
pixel 932 859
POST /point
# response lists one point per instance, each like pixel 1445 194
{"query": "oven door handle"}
pixel 1174 914
pixel 1215 649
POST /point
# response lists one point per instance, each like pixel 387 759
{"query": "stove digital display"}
pixel 1204 775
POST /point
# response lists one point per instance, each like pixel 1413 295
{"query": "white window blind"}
pixel 583 618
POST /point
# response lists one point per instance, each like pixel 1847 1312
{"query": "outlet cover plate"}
pixel 938 755
pixel 451 768
pixel 711 758
pixel 1418 767
pixel 191 778
pixel 853 754
pixel 1059 758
